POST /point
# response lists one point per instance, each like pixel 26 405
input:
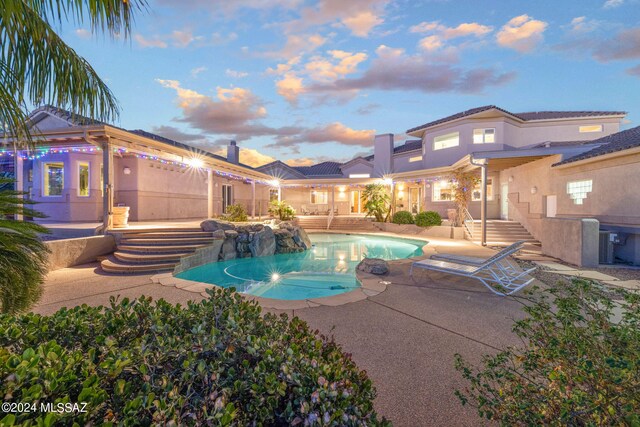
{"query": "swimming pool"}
pixel 325 270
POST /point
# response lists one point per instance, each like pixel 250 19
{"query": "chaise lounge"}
pixel 498 273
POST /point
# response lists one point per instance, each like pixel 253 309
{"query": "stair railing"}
pixel 468 222
pixel 329 219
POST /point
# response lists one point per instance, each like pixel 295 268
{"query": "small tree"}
pixel 236 213
pixel 282 210
pixel 578 364
pixel 23 257
pixel 378 201
pixel 463 185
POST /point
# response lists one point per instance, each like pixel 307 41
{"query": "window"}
pixel 442 191
pixel 415 159
pixel 273 194
pixel 53 179
pixel 319 197
pixel 484 136
pixel 476 195
pixel 359 175
pixel 227 197
pixel 578 190
pixel 446 141
pixel 590 128
pixel 83 179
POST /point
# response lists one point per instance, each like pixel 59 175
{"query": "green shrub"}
pixel 282 210
pixel 402 217
pixel 428 219
pixel 578 365
pixel 236 213
pixel 217 362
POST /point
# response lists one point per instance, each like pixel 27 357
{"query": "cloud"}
pixel 333 132
pixel 227 7
pixel 582 25
pixel 439 34
pixel 290 87
pixel 393 69
pixel 521 34
pixel 83 34
pixel 150 43
pixel 359 16
pixel 235 74
pixel 611 4
pixel 625 45
pixel 296 45
pixel 430 43
pixel 368 109
pixel 176 134
pixel 183 39
pixel 248 156
pixel 197 70
pixel 634 71
pixel 218 39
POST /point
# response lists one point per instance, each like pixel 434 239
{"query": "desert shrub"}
pixel 218 362
pixel 402 217
pixel 282 210
pixel 377 201
pixel 428 219
pixel 578 364
pixel 236 213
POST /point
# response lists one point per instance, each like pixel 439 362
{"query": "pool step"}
pixel 154 250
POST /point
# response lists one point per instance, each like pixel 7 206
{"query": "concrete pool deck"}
pixel 404 337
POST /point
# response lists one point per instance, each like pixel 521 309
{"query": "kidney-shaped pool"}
pixel 327 269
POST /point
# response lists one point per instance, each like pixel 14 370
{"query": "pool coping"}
pixel 370 284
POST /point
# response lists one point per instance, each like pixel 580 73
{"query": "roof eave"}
pixel 607 156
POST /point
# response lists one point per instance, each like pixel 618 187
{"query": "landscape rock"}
pixel 263 243
pixel 228 250
pixel 216 224
pixel 373 266
pixel 219 234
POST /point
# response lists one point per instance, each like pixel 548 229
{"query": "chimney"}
pixel 233 153
pixel 383 155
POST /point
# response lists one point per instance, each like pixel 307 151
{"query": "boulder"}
pixel 374 266
pixel 228 250
pixel 216 224
pixel 263 243
pixel 219 234
pixel 231 234
pixel 302 238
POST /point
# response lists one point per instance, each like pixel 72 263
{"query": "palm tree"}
pixel 37 67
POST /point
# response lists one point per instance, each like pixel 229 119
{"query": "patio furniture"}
pixel 305 210
pixel 471 260
pixel 499 274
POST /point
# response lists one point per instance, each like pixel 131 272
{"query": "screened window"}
pixel 53 179
pixel 484 136
pixel 319 197
pixel 442 191
pixel 227 197
pixel 415 159
pixel 446 141
pixel 83 179
pixel 476 195
pixel 273 194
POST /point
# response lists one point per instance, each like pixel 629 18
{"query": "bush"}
pixel 428 219
pixel 236 213
pixel 578 365
pixel 402 217
pixel 282 210
pixel 217 362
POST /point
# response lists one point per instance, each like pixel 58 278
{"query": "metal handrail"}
pixel 468 218
pixel 329 219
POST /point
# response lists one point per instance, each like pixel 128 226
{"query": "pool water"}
pixel 327 269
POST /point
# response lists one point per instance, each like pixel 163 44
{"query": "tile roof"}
pixel 324 168
pixel 168 141
pixel 620 141
pixel 414 144
pixel 268 169
pixel 74 119
pixel 526 116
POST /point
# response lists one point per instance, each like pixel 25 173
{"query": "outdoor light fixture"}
pixel 388 181
pixel 126 170
pixel 534 190
pixel 511 178
pixel 194 163
pixel 274 182
pixel 275 277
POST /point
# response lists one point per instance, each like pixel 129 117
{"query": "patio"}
pixel 405 337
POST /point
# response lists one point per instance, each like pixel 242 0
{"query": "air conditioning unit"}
pixel 607 238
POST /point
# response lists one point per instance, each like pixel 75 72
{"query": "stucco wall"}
pixel 573 240
pixel 70 252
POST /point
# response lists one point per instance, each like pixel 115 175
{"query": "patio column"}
pixel 483 205
pixel 393 198
pixel 210 193
pixel 424 196
pixel 19 176
pixel 333 199
pixel 107 194
pixel 253 198
pixel 279 193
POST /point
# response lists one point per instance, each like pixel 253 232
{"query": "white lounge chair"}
pixel 499 274
pixel 471 260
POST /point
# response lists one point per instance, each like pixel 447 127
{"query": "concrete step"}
pixel 160 249
pixel 168 235
pixel 167 242
pixel 159 230
pixel 115 266
pixel 146 258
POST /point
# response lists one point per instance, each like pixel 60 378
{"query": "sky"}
pixel 309 81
